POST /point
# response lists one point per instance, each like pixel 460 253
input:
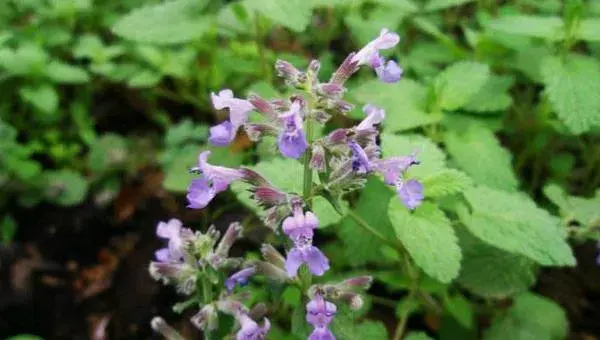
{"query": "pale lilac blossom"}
pixel 375 115
pixel 214 180
pixel 239 109
pixel 292 141
pixel 239 278
pixel 250 330
pixel 299 227
pixel 410 193
pixel 320 313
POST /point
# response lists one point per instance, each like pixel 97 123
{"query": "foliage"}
pixel 499 100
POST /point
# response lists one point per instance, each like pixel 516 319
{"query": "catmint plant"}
pixel 198 263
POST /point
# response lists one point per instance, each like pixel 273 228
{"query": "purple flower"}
pixel 222 134
pixel 392 168
pixel 292 141
pixel 387 71
pixel 320 313
pixel 410 193
pixel 214 180
pixel 375 115
pixel 321 333
pixel 299 227
pixel 177 236
pixel 385 40
pixel 360 161
pixel 250 330
pixel 239 278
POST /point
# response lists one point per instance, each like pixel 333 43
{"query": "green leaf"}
pixel 417 336
pixel 429 154
pixel 493 96
pixel 43 97
pixel 428 237
pixel 434 5
pixel 446 182
pixel 106 152
pixel 478 153
pixel 285 174
pixel 62 73
pixel 583 210
pixel 293 14
pixel 572 86
pixel 186 131
pixel 404 103
pixel 144 79
pixel 25 337
pixel 346 327
pixel 28 59
pixel 589 29
pixel 512 222
pixel 457 84
pixel 8 229
pixel 461 309
pixel 65 187
pixel 531 317
pixel 361 246
pixel 549 28
pixel 491 272
pixel 173 22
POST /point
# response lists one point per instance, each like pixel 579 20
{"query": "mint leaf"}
pixel 456 85
pixel 172 22
pixel 361 246
pixel 404 103
pixel 493 96
pixel 43 97
pixel 293 14
pixel 446 182
pixel 512 222
pixel 530 317
pixel 428 237
pixel 62 73
pixel 417 336
pixel 490 272
pixel 572 86
pixel 549 28
pixel 65 187
pixel 345 326
pixel 589 29
pixel 434 5
pixel 583 210
pixel 478 153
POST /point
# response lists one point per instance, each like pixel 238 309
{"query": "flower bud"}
pixel 231 307
pixel 262 106
pixel 271 271
pixel 272 256
pixel 317 161
pixel 258 311
pixel 289 73
pixel 314 66
pixel 359 282
pixel 346 69
pixel 207 317
pixel 234 232
pixel 321 116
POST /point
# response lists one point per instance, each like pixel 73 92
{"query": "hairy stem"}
pixel 308 173
pixel 207 298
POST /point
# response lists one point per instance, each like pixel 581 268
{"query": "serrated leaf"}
pixel 293 14
pixel 346 327
pixel 512 222
pixel 286 174
pixel 446 182
pixel 65 187
pixel 457 84
pixel 361 246
pixel 550 28
pixel 431 158
pixel 589 29
pixel 531 317
pixel 434 5
pixel 493 96
pixel 172 22
pixel 404 103
pixel 572 86
pixel 428 237
pixel 491 272
pixel 584 210
pixel 66 74
pixel 478 153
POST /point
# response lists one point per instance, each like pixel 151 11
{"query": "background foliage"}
pixel 501 98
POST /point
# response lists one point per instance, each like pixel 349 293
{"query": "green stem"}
pixel 308 173
pixel 207 298
pixel 261 49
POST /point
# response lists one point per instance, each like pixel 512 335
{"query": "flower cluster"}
pixel 343 159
